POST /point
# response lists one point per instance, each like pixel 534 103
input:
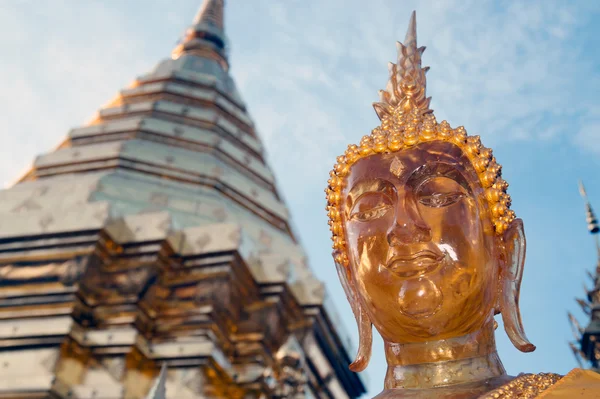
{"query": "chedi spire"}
pixel 206 37
pixel 586 346
pixel 211 13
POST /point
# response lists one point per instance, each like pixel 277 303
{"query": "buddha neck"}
pixel 460 360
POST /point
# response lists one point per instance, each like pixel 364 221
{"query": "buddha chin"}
pixel 420 297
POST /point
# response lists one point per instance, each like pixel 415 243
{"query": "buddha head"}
pixel 425 243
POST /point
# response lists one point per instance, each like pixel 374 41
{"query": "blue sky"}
pixel 524 77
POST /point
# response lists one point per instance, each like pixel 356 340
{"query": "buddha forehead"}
pixel 400 165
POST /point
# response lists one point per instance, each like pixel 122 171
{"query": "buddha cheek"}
pixel 468 280
pixel 363 259
pixel 377 287
pixel 368 244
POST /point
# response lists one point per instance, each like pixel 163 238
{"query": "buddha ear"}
pixel 365 328
pixel 510 280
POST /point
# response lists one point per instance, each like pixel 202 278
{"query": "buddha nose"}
pixel 408 226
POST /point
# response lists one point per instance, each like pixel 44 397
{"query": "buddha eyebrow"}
pixel 363 186
pixel 438 169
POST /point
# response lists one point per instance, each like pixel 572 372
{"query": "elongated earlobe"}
pixel 365 342
pixel 512 273
pixel 365 327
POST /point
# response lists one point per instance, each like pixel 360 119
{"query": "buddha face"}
pixel 422 249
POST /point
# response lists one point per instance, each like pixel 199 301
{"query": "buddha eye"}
pixel 370 214
pixel 440 200
pixel 439 192
pixel 370 206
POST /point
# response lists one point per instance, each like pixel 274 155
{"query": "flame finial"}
pixel 407 83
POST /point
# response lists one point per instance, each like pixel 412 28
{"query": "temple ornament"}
pixel 428 251
pixel 586 346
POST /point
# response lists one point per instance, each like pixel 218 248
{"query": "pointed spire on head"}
pixel 206 37
pixel 407 83
pixel 410 40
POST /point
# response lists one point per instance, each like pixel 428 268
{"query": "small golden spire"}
pixel 590 217
pixel 407 84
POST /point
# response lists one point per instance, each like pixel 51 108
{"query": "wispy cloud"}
pixel 65 59
pixel 505 71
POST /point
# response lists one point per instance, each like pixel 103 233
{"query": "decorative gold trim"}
pixel 524 386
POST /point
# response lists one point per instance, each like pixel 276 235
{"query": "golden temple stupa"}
pixel 586 346
pixel 155 238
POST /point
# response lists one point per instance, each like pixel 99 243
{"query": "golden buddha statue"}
pixel 429 251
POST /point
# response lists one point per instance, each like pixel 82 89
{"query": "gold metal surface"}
pixel 426 247
pixel 524 386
